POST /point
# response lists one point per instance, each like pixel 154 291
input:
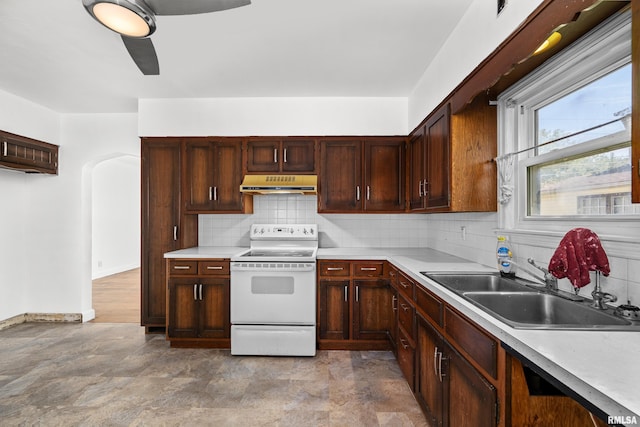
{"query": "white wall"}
pixel 477 34
pixel 115 216
pixel 45 261
pixel 272 116
pixel 18 221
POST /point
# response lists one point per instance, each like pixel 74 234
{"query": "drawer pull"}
pixel 335 268
pixel 216 267
pixel 368 268
pixel 394 301
pixel 402 342
pixel 404 307
pixel 404 284
pixel 181 267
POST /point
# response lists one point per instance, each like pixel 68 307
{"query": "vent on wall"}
pixel 27 155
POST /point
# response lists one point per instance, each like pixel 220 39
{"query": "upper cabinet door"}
pixel 416 173
pixel 384 182
pixel 213 174
pixel 299 156
pixel 199 158
pixel 263 156
pixel 341 176
pixel 227 176
pixel 438 145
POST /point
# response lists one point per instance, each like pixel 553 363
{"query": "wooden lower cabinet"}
pixel 198 304
pixel 451 391
pixel 355 307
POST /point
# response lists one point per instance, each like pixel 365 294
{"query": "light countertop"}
pixel 602 367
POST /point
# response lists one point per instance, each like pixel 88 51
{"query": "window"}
pixel 565 139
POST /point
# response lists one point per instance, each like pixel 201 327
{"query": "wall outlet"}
pixel 463 232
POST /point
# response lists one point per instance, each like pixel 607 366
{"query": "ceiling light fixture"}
pixel 550 42
pixel 131 18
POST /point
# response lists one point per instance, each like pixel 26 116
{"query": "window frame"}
pixel 601 51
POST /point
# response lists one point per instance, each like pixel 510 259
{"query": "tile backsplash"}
pixel 335 230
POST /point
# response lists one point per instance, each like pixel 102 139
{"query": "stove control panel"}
pixel 284 232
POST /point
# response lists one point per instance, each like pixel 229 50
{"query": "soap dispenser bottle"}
pixel 504 256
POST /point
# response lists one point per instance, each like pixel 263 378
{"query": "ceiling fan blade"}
pixel 193 7
pixel 143 54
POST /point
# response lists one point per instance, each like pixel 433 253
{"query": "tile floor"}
pixel 112 374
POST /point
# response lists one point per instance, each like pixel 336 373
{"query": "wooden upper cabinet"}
pixel 384 175
pixel 438 160
pixel 340 176
pixel 213 173
pixel 281 155
pixel 27 155
pixel 415 153
pixel 451 167
pixel 362 175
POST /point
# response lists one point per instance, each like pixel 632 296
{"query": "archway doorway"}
pixel 115 239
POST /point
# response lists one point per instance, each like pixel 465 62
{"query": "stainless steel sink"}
pixel 479 282
pixel 539 310
pixel 521 304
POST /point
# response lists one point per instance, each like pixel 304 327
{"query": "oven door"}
pixel 264 293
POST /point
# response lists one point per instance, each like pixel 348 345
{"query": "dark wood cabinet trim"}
pixel 27 154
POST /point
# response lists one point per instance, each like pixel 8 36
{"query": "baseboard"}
pixel 100 273
pixel 40 317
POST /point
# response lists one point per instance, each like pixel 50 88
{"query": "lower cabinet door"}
pixel 470 395
pixel 182 321
pixel 333 296
pixel 372 309
pixel 429 382
pixel 213 310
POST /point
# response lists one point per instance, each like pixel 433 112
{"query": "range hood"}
pixel 279 184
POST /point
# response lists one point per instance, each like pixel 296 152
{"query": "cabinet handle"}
pixel 195 292
pixel 404 284
pixel 357 192
pixel 394 300
pixel 357 292
pixel 426 187
pixel 368 192
pixel 368 268
pixel 420 188
pixel 215 193
pixel 285 156
pixel 200 291
pixel 275 155
pixel 404 307
pixel 217 267
pixel 335 268
pixel 440 374
pixel 4 148
pixel 402 342
pixel 210 193
pixel 435 363
pixel 346 293
pixel 175 232
pixel 181 267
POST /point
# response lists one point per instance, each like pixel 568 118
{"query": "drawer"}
pixel 476 343
pixel 179 267
pixel 406 358
pixel 213 268
pixel 334 268
pixel 406 286
pixel 429 305
pixel 368 269
pixel 406 316
pixel 393 276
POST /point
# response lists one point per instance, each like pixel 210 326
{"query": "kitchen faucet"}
pixel 549 281
pixel 599 297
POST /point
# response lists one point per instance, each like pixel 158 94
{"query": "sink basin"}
pixel 529 307
pixel 534 310
pixel 478 282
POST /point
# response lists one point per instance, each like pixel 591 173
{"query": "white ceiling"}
pixel 54 54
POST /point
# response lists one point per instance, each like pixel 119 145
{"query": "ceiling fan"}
pixel 135 21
